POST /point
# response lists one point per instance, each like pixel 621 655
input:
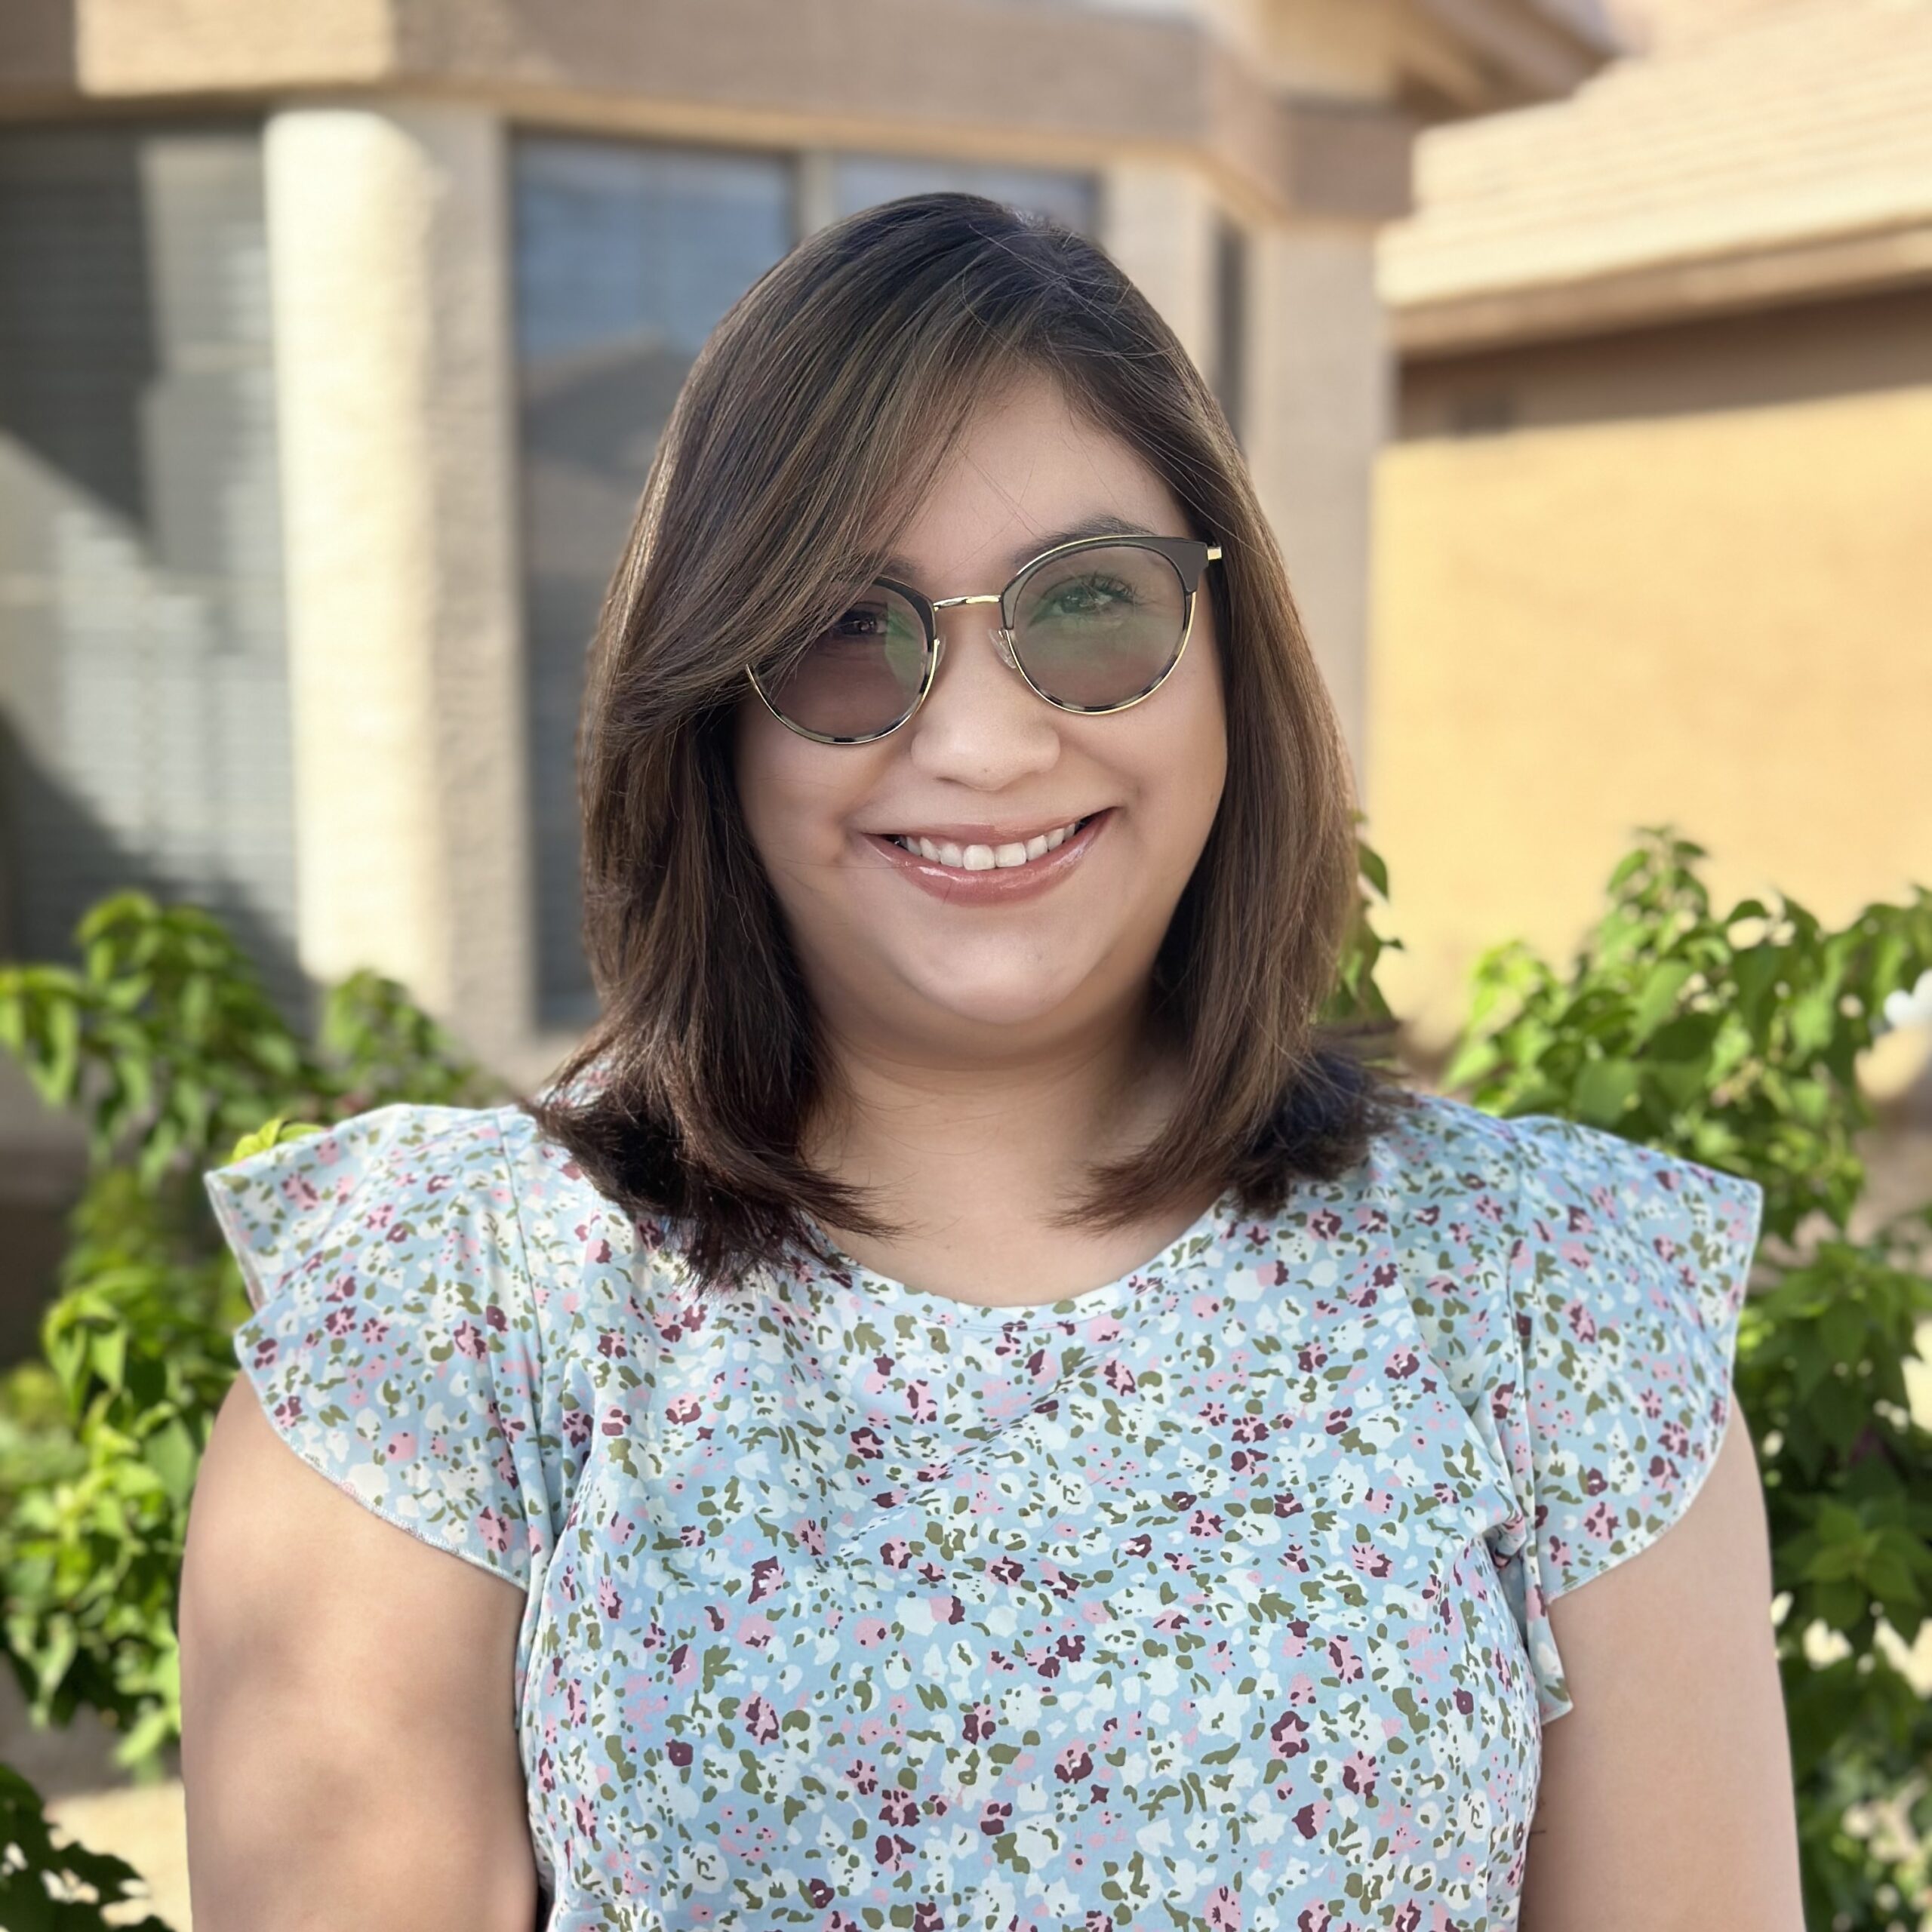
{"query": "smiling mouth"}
pixel 987 858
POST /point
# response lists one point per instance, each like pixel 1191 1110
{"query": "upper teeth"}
pixel 984 858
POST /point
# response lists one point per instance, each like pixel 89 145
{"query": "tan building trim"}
pixel 1069 85
pixel 1893 256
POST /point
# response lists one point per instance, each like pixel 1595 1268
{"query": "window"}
pixel 1230 320
pixel 860 180
pixel 144 674
pixel 626 257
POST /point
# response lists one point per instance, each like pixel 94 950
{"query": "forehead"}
pixel 1027 471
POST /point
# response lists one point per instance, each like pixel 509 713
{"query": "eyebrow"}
pixel 1104 524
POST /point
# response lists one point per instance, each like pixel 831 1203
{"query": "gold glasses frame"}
pixel 1188 555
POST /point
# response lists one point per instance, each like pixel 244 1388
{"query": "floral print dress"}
pixel 1215 1597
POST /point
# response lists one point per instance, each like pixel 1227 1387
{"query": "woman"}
pixel 962 1405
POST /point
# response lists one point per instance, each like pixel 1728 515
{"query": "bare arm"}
pixel 348 1746
pixel 1666 1802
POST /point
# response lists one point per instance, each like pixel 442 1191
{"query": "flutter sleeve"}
pixel 1626 1272
pixel 394 1343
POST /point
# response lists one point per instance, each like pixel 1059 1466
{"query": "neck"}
pixel 926 1129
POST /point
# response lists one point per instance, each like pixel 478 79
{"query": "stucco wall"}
pixel 1693 583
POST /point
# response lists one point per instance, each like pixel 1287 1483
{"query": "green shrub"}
pixel 38 1880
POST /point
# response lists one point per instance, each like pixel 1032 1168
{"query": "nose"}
pixel 980 726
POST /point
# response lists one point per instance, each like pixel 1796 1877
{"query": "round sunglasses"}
pixel 1092 626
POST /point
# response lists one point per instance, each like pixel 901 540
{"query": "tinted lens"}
pixel 1098 627
pixel 861 674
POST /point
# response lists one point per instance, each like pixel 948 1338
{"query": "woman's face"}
pixel 892 957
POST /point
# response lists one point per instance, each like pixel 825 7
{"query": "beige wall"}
pixel 1694 582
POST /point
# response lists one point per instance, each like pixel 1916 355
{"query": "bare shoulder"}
pixel 349 1746
pixel 1666 1798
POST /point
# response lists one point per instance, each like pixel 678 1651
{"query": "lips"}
pixel 995 885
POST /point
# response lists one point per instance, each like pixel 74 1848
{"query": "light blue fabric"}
pixel 1216 1597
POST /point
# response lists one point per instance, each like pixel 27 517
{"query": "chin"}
pixel 1018 998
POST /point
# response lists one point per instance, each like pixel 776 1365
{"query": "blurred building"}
pixel 1654 533
pixel 334 341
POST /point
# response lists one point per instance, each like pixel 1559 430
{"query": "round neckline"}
pixel 890 1296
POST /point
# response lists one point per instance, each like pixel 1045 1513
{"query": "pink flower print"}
pixel 1118 1377
pixel 613 1424
pixel 926 1918
pixel 899 1807
pixel 1339 1421
pixel 1370 1561
pixel 586 1818
pixel 811 1534
pixel 1073 1764
pixel 1289 1735
pixel 1341 1654
pixel 1223 1910
pixel 870 1631
pixel 890 1852
pixel 496 1531
pixel 867 1443
pixel 338 1320
pixel 767 1575
pixel 993 1818
pixel 683 1665
pixel 947 1608
pixel 1310 1356
pixel 919 1403
pixel 1582 1325
pixel 1359 1774
pixel 608 1602
pixel 1600 1521
pixel 401 1447
pixel 1325 1224
pixel 683 1408
pixel 468 1339
pixel 896 1552
pixel 755 1632
pixel 761 1721
pixel 265 1352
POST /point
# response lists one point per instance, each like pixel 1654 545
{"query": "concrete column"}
pixel 1319 405
pixel 1156 221
pixel 388 243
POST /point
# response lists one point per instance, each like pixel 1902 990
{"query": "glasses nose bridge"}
pixel 1002 637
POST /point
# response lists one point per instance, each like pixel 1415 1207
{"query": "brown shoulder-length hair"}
pixel 817 413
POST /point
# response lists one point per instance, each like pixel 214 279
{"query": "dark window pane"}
pixel 626 256
pixel 860 180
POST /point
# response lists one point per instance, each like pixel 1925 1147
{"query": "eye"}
pixel 1087 596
